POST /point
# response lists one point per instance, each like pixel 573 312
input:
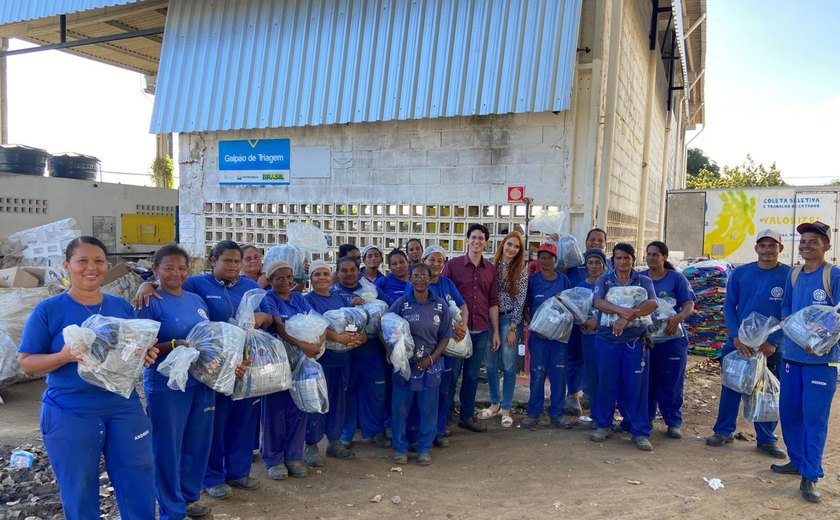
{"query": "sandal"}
pixel 489 413
pixel 507 420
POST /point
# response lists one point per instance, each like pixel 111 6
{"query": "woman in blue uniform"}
pixel 393 285
pixel 431 328
pixel 548 357
pixel 371 260
pixel 283 424
pixel 596 263
pixel 182 422
pixel 621 350
pixel 81 422
pixel 668 358
pixel 366 388
pixel 336 367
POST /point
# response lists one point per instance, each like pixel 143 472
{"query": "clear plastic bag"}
pixel 221 346
pixel 552 321
pixel 815 326
pixel 375 309
pixel 459 349
pixel 269 370
pixel 244 318
pixel 307 237
pixel 345 319
pixel 578 301
pixel 628 296
pixel 763 404
pixel 593 315
pixel 568 252
pixel 307 327
pixel 397 333
pixel 296 258
pixel 176 366
pixel 115 359
pixel 664 310
pixel 80 341
pixel 367 291
pixel 741 373
pixel 309 387
pixel 756 328
pixel 548 222
pixel 9 365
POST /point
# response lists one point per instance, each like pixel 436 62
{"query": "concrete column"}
pixel 653 58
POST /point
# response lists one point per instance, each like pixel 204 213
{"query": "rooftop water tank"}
pixel 71 165
pixel 23 160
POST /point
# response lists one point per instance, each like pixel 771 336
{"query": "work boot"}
pixel 561 422
pixel 424 459
pixel 197 510
pixel 296 468
pixel 573 405
pixel 530 422
pixel 379 440
pixel 809 491
pixel 600 435
pixel 219 491
pixel 244 483
pixel 674 432
pixel 784 469
pixel 400 458
pixel 441 442
pixel 336 450
pixel 472 425
pixel 643 443
pixel 312 457
pixel 278 472
pixel 718 440
pixel 772 449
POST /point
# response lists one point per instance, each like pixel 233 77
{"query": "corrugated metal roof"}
pixel 12 11
pixel 229 65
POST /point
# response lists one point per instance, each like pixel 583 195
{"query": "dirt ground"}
pixel 516 473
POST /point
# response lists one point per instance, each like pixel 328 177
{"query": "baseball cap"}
pixel 768 233
pixel 814 227
pixel 595 252
pixel 548 248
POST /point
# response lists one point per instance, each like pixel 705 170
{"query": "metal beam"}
pixel 88 41
pixel 62 29
pixel 76 20
pixel 695 25
pixel 129 28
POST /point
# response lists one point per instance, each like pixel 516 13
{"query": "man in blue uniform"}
pixel 754 287
pixel 808 381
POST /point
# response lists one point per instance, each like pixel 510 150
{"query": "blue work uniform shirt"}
pixel 392 286
pixel 322 304
pixel 607 282
pixel 430 322
pixel 177 316
pixel 223 299
pixel 809 290
pixel 673 285
pixel 43 334
pixel 540 289
pixel 444 288
pixel 753 289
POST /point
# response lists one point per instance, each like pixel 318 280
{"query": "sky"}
pixel 773 86
pixel 772 91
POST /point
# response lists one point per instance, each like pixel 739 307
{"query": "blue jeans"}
pixel 469 383
pixel 507 355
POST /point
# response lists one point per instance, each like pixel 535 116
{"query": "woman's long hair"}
pixel 516 266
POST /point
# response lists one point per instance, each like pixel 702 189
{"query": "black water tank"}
pixel 74 166
pixel 24 160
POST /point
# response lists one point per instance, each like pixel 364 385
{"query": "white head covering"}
pixel 319 264
pixel 433 249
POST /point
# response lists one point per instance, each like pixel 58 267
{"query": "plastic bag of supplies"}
pixel 553 321
pixel 397 333
pixel 815 326
pixel 763 404
pixel 345 319
pixel 459 349
pixel 756 328
pixel 568 252
pixel 367 291
pixel 309 387
pixel 244 318
pixel 628 296
pixel 295 257
pixel 741 373
pixel 114 359
pixel 221 346
pixel 375 309
pixel 269 370
pixel 307 237
pixel 176 366
pixel 664 310
pixel 578 301
pixel 307 327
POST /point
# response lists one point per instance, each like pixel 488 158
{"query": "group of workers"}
pixel 198 440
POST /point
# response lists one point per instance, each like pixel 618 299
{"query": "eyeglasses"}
pixel 420 277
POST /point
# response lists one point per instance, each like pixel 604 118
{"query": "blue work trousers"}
pixel 574 362
pixel 804 409
pixel 590 370
pixel 468 369
pixel 365 397
pixel 548 359
pixel 283 429
pixel 233 439
pixel 74 444
pixel 622 380
pixel 667 379
pixel 401 403
pixel 319 425
pixel 182 429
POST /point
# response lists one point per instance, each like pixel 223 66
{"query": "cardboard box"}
pixel 18 277
pixel 118 271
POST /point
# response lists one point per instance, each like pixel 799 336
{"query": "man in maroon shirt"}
pixel 475 279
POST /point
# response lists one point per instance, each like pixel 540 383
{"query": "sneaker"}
pixel 530 422
pixel 312 457
pixel 717 440
pixel 379 440
pixel 772 449
pixel 441 442
pixel 674 432
pixel 573 405
pixel 297 469
pixel 784 469
pixel 643 443
pixel 600 435
pixel 244 483
pixel 219 491
pixel 561 422
pixel 336 450
pixel 197 509
pixel 424 459
pixel 472 425
pixel 809 491
pixel 278 472
pixel 400 458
